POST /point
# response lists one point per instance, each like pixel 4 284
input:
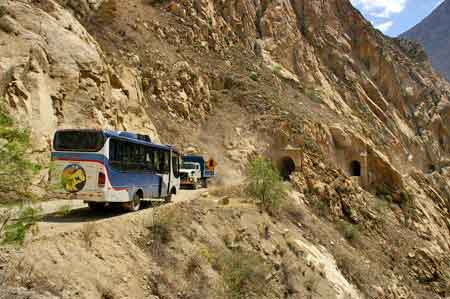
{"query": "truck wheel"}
pixel 134 205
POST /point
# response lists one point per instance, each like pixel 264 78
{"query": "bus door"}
pixel 164 172
pixel 175 171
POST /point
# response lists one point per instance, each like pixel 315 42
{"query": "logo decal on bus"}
pixel 73 178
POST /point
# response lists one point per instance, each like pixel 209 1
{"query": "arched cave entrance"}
pixel 286 166
pixel 355 168
pixel 431 168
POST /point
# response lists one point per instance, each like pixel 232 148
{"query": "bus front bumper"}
pixel 187 182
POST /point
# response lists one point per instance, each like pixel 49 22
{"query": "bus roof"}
pixel 120 135
pixel 127 136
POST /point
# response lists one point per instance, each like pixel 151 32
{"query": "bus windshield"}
pixel 187 165
pixel 78 141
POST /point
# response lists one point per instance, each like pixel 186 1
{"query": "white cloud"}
pixel 380 8
pixel 384 26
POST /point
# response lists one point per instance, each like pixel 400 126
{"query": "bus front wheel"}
pixel 204 183
pixel 135 204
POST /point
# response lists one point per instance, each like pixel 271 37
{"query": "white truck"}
pixel 191 174
pixel 196 171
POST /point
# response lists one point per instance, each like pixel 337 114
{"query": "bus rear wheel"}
pixel 96 206
pixel 135 204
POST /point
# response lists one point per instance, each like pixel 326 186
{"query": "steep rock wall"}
pixel 53 75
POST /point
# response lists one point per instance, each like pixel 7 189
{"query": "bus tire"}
pixel 170 196
pixel 204 183
pixel 135 204
pixel 96 206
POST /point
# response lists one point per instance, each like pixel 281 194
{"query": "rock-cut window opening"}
pixel 286 166
pixel 355 168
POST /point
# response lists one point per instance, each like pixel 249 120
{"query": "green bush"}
pixel 64 210
pixel 15 169
pixel 15 231
pixel 322 207
pixel 264 184
pixel 253 76
pixel 276 68
pixel 350 231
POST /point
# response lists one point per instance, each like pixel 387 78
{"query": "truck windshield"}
pixel 78 141
pixel 188 166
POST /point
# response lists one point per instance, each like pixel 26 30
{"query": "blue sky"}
pixel 395 16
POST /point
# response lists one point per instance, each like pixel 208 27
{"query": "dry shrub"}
pixel 45 5
pixel 194 264
pixel 355 269
pixel 160 229
pixel 18 271
pixel 321 207
pixel 105 292
pixel 227 191
pixel 107 12
pixel 88 233
pixel 292 211
pixel 244 273
pixel 311 284
pixel 349 231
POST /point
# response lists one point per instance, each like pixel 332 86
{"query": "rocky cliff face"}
pixel 432 33
pixel 54 75
pixel 235 78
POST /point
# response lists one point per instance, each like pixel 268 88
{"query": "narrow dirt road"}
pixel 80 214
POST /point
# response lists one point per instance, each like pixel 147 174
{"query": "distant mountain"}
pixel 434 34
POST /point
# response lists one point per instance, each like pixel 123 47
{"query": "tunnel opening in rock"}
pixel 355 168
pixel 431 168
pixel 286 167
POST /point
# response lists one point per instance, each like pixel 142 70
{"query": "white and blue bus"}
pixel 100 167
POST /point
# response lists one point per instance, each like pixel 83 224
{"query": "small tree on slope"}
pixel 264 184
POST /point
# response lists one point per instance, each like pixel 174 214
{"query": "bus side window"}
pixel 149 159
pixel 115 157
pixel 139 157
pixel 166 162
pixel 162 161
pixel 176 165
pixel 156 161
